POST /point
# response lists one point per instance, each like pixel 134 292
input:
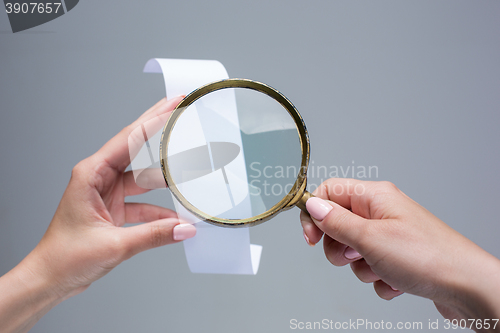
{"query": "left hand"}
pixel 86 238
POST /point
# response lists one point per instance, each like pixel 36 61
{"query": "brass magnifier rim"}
pixel 296 194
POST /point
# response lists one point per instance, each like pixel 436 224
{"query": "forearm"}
pixel 478 292
pixel 487 289
pixel 26 295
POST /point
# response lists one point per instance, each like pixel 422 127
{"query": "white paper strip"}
pixel 213 249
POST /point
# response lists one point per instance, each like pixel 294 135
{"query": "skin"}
pixel 402 247
pixel 387 238
pixel 86 238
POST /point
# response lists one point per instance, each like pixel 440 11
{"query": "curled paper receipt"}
pixel 213 249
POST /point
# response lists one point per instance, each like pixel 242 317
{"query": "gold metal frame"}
pixel 297 195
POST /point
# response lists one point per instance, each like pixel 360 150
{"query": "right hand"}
pixel 396 244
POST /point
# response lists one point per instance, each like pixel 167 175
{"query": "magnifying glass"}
pixel 235 153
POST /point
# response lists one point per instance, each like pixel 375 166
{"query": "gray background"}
pixel 411 87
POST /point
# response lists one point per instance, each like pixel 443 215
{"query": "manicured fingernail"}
pixel 351 253
pixel 318 208
pixel 307 240
pixel 184 231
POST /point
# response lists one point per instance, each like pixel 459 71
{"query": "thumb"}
pixel 337 222
pixel 154 234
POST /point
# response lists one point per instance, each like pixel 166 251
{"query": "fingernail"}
pixel 184 231
pixel 393 288
pixel 318 208
pixel 307 240
pixel 351 253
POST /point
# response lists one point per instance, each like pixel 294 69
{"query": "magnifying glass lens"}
pixel 233 154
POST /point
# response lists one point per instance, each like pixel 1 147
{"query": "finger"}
pixel 116 152
pixel 385 291
pixel 155 109
pixel 312 233
pixel 150 123
pixel 130 186
pixel 142 212
pixel 340 190
pixel 143 180
pixel 154 234
pixel 143 130
pixel 337 253
pixel 364 198
pixel 352 194
pixel 363 271
pixel 337 222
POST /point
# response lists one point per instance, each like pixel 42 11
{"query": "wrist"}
pixel 485 289
pixel 27 294
pixel 44 269
pixel 37 278
pixel 476 287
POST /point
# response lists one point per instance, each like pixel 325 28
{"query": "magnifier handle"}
pixel 302 202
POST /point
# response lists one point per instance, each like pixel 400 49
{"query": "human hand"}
pixel 85 239
pixel 396 244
